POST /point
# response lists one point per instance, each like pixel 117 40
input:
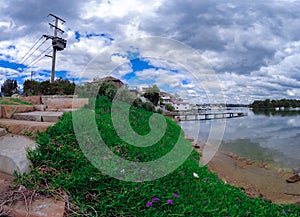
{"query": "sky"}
pixel 251 48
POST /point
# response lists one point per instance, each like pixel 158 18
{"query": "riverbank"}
pixel 257 179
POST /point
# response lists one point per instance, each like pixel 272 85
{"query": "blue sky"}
pixel 253 47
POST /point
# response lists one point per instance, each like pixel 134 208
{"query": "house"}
pixel 117 82
pixel 180 106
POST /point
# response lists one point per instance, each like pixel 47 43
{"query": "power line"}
pixel 30 52
pixel 31 48
pixel 39 58
pixel 34 51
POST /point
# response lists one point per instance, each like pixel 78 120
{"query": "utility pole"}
pixel 58 44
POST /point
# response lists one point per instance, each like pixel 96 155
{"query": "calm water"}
pixel 270 137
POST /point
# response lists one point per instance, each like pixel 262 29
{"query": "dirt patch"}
pixel 5 182
pixel 258 179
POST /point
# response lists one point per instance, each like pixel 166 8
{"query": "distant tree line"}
pixel 286 103
pixel 31 87
pixel 59 87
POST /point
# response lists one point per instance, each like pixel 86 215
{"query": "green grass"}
pixel 13 101
pixel 59 164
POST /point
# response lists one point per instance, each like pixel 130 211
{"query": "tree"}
pixel 107 88
pixel 152 94
pixel 170 108
pixel 124 95
pixel 31 88
pixel 9 87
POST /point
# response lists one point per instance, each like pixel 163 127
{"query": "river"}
pixel 271 137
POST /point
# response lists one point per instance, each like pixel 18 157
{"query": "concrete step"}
pixel 13 155
pixel 22 127
pixel 3 131
pixel 40 116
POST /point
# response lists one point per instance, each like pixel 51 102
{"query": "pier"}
pixel 205 115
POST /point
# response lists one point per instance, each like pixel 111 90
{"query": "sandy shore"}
pixel 256 178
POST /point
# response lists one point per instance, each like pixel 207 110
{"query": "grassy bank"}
pixel 13 101
pixel 59 165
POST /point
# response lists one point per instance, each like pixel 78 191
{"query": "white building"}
pixel 181 106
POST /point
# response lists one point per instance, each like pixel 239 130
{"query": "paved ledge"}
pixel 39 116
pixel 23 127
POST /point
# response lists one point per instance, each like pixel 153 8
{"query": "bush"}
pixel 148 106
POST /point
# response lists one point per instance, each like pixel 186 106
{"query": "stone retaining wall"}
pixel 7 111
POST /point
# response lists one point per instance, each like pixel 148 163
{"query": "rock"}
pixel 13 155
pixel 39 208
pixel 293 179
pixel 2 132
pixel 196 146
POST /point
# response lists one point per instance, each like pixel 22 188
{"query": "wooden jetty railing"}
pixel 205 115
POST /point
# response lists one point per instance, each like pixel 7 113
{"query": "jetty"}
pixel 193 115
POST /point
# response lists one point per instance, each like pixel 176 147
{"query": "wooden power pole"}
pixel 58 44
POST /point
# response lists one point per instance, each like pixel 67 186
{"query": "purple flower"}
pixel 155 199
pixel 136 188
pixel 204 202
pixel 143 170
pixel 175 195
pixel 149 204
pixel 170 202
pixel 182 173
pixel 117 149
pixel 150 172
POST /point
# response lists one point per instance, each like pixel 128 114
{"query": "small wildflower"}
pixel 155 199
pixel 182 173
pixel 150 172
pixel 117 149
pixel 170 202
pixel 143 170
pixel 175 195
pixel 139 181
pixel 204 202
pixel 283 212
pixel 136 188
pixel 196 175
pixel 149 204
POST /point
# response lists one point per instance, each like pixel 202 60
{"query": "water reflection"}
pixel 271 136
pixel 273 112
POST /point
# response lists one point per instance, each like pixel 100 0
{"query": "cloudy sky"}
pixel 253 47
